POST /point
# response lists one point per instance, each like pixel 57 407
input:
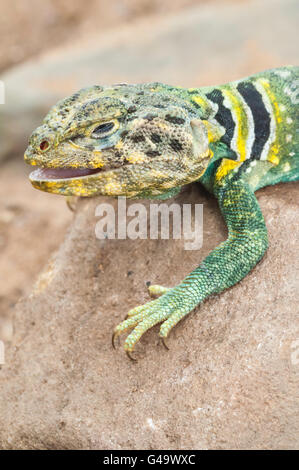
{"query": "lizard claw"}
pixel 169 309
pixel 163 341
pixel 115 335
pixel 128 353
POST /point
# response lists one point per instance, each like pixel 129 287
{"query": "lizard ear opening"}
pixel 200 139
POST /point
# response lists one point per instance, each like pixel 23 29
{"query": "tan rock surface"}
pixel 32 225
pixel 230 379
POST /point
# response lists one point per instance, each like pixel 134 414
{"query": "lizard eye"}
pixel 103 130
pixel 44 145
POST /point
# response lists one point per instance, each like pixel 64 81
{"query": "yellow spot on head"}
pixel 119 145
pixel 136 157
pixel 158 174
pixel 163 126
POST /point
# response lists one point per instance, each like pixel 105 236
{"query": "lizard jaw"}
pixel 78 181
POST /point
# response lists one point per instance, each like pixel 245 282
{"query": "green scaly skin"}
pixel 149 140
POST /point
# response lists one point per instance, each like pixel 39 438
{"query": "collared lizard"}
pixel 148 140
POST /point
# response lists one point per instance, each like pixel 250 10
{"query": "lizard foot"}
pixel 154 292
pixel 170 308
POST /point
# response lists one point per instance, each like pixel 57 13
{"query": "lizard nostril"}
pixel 44 145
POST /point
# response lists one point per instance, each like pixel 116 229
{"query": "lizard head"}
pixel 124 140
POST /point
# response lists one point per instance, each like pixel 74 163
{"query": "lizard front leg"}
pixel 226 265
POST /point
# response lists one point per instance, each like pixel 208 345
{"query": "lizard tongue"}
pixel 61 173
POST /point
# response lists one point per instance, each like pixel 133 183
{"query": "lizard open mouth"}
pixel 61 173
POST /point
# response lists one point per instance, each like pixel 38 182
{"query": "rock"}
pixel 32 226
pixel 203 45
pixel 229 380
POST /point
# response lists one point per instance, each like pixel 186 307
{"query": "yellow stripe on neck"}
pixel 225 167
pixel 240 116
